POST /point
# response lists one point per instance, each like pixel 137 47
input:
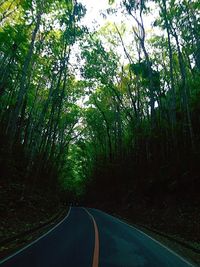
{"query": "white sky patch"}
pixel 95 8
pixel 97 17
pixel 94 20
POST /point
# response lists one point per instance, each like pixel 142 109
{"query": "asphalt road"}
pixel 91 238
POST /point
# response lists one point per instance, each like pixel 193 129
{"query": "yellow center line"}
pixel 95 262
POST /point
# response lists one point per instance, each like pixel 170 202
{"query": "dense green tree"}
pixel 73 104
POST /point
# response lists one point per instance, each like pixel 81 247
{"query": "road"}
pixel 91 238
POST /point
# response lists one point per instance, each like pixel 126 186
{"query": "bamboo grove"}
pixel 73 108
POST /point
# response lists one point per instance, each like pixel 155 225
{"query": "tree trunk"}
pixel 23 83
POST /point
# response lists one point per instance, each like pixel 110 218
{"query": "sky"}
pixel 94 8
pixel 95 20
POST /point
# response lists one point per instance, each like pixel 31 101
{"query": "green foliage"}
pixel 71 116
pixel 101 65
pixel 140 69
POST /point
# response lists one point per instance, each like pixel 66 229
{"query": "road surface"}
pixel 91 238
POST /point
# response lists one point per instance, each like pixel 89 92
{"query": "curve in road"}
pixel 92 238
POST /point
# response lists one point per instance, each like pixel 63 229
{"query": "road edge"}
pixel 36 240
pixel 158 242
pixel 122 221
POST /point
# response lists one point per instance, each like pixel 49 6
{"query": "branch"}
pixel 123 45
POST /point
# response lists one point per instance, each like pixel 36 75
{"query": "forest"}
pixel 104 116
